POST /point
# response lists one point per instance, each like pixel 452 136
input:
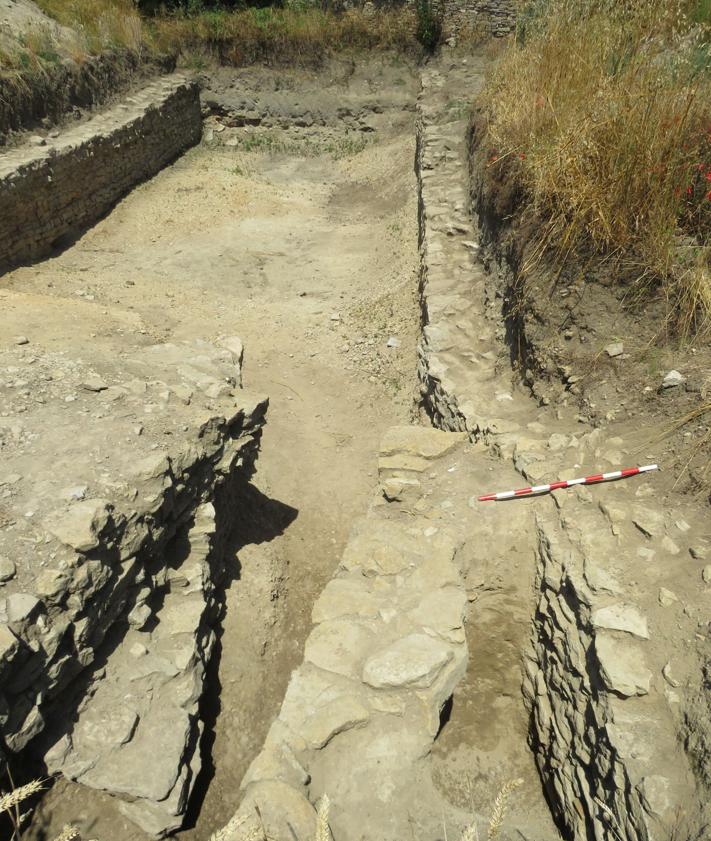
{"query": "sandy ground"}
pixel 312 262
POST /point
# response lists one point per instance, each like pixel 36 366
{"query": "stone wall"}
pixel 54 191
pixel 386 652
pixel 112 561
pixel 459 17
pixel 612 675
pixel 605 741
pixel 65 89
pixel 496 17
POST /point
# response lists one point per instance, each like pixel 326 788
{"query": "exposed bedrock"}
pixel 116 515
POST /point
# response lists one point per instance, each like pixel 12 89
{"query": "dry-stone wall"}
pixel 387 649
pixel 460 17
pixel 613 673
pixel 604 739
pixel 55 190
pixel 111 555
pixel 497 17
pixel 64 88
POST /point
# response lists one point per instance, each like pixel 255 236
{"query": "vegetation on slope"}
pixel 295 32
pixel 599 114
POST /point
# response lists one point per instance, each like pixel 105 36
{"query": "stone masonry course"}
pixel 52 192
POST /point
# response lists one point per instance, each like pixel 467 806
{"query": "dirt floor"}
pixel 311 259
pixel 303 242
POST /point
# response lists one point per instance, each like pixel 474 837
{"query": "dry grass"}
pixel 99 24
pixel 243 827
pixel 700 448
pixel 498 813
pixel 601 112
pixel 90 27
pixel 302 35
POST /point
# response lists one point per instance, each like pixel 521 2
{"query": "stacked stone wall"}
pixel 606 682
pixel 110 591
pixel 495 17
pixel 54 191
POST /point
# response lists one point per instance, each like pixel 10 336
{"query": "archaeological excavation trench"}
pixel 254 377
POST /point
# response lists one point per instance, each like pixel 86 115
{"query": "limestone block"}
pixel 414 661
pixel 621 617
pixel 80 526
pixel 421 442
pixel 7 569
pixel 656 795
pixel 339 715
pixel 346 597
pixel 442 612
pixel 338 646
pixel 21 608
pixel 401 488
pixel 621 666
pixel 599 579
pixel 374 555
pixel 276 761
pixel 8 644
pixel 284 812
pixel 650 522
pixel 52 583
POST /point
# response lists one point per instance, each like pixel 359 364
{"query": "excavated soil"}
pixel 297 231
pixel 310 256
pixel 590 339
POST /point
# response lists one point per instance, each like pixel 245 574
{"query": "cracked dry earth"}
pixel 312 261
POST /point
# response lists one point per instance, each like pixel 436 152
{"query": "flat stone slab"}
pixel 621 617
pixel 419 441
pixel 338 646
pixel 622 667
pixel 342 714
pixel 414 661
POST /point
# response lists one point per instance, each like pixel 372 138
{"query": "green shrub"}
pixel 429 23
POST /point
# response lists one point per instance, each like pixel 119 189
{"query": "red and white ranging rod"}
pixel 568 483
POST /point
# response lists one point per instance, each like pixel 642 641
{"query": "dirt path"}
pixel 312 262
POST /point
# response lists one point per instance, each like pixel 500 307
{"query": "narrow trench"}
pixel 273 257
pixel 267 245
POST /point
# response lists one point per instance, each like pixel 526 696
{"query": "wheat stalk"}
pixel 614 825
pixel 471 833
pixel 500 804
pixel 255 833
pixel 323 832
pixel 8 802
